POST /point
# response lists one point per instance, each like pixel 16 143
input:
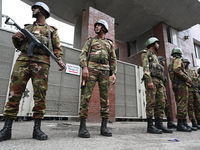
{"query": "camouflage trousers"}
pixel 102 77
pixel 194 105
pixel 181 97
pixel 22 72
pixel 167 106
pixel 155 99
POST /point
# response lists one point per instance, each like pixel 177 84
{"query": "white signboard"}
pixel 73 69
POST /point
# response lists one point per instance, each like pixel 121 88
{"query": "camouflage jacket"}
pixel 149 60
pixel 178 70
pixel 101 57
pixel 170 69
pixel 193 75
pixel 42 34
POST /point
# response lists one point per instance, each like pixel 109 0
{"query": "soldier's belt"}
pixel 34 53
pixel 99 61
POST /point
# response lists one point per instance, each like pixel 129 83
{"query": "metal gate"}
pixel 130 93
pixel 64 89
pixel 6 60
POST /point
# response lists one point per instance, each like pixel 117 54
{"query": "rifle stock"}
pixel 83 84
pixel 34 41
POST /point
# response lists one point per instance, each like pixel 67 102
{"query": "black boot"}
pixel 37 133
pixel 159 125
pixel 189 127
pixel 151 128
pixel 170 123
pixel 83 132
pixel 194 124
pixel 181 127
pixel 198 122
pixel 5 133
pixel 104 129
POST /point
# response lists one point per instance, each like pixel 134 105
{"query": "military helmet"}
pixel 151 41
pixel 160 58
pixel 176 51
pixel 186 60
pixel 103 22
pixel 44 6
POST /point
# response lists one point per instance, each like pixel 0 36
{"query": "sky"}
pixel 21 13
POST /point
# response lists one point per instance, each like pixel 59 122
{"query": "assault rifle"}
pixel 191 84
pixel 34 41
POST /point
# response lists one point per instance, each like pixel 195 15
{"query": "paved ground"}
pixel 126 136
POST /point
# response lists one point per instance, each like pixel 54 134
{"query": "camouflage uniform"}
pixel 178 78
pixel 154 97
pixel 194 97
pixel 35 67
pixel 99 66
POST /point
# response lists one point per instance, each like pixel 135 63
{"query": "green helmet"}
pixel 176 51
pixel 186 60
pixel 151 41
pixel 160 58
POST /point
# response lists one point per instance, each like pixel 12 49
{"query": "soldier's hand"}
pixel 189 80
pixel 18 35
pixel 150 85
pixel 62 66
pixel 85 73
pixel 113 79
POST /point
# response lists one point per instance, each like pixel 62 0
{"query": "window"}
pixel 131 48
pixel 172 36
pixel 139 43
pixel 197 50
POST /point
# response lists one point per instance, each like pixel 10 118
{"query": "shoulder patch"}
pixel 89 38
pixel 110 40
pixel 54 27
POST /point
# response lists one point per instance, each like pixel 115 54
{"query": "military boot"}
pixel 37 133
pixel 198 122
pixel 159 125
pixel 181 127
pixel 104 129
pixel 194 124
pixel 170 123
pixel 151 128
pixel 189 127
pixel 83 132
pixel 5 133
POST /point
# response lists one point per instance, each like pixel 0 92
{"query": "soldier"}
pixel 179 80
pixel 170 123
pixel 194 97
pixel 153 77
pixel 98 62
pixel 35 67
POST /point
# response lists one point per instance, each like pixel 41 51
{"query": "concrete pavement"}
pixel 126 136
